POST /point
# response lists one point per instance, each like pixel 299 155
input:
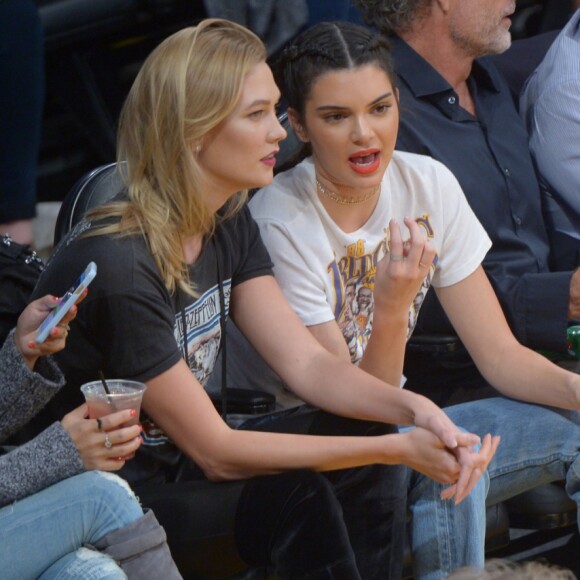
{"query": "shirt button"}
pixel 518 220
pixel 507 172
pixel 451 100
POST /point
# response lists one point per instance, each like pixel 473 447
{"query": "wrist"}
pixel 29 359
pixel 395 451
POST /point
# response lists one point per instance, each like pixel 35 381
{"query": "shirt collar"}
pixel 423 80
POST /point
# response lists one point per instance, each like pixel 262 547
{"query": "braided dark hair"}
pixel 325 47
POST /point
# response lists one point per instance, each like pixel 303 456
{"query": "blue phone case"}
pixel 65 303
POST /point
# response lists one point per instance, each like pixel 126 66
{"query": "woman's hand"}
pixel 90 438
pixel 402 270
pixel 29 321
pixel 461 468
pixel 473 464
pixel 426 453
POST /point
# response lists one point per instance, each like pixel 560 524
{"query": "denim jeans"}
pixel 538 445
pixel 42 536
pixel 444 536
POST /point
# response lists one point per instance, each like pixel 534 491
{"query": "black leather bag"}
pixel 20 268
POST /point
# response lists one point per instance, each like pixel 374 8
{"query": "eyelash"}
pixel 380 109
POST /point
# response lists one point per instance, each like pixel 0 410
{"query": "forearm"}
pixel 235 456
pixel 385 351
pixel 525 375
pixel 341 388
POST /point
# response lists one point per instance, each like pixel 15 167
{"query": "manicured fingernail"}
pixel 31 344
pixel 133 412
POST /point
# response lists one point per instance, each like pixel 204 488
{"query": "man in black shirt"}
pixel 456 108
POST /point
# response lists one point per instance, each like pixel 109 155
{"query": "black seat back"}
pixel 91 190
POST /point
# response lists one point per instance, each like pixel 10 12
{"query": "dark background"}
pixel 93 49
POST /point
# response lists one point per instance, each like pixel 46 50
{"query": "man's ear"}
pixel 297 126
pixel 443 5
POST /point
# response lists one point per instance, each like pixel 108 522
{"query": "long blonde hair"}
pixel 187 86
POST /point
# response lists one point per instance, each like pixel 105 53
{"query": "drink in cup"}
pixel 122 395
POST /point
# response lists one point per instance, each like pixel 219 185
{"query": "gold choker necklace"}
pixel 346 200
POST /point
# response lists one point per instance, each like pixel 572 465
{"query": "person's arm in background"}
pixel 550 109
pixel 555 139
pixel 28 380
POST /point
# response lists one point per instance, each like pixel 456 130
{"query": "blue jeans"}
pixel 444 536
pixel 42 536
pixel 539 445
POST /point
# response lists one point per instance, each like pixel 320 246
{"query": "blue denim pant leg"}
pixel 538 445
pixel 445 536
pixel 43 534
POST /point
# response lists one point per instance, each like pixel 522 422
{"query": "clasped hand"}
pixel 462 465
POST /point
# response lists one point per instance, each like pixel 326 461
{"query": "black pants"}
pixel 344 524
pixel 372 499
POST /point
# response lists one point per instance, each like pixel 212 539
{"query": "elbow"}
pixel 218 468
pixel 216 472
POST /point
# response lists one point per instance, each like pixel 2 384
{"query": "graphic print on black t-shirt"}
pixel 202 319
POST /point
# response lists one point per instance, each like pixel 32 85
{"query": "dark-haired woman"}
pixel 358 232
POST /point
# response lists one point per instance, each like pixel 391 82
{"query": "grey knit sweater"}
pixel 49 457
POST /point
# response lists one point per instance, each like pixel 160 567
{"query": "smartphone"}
pixel 65 303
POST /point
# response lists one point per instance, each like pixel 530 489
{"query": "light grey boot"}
pixel 141 550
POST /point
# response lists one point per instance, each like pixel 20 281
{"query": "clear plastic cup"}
pixel 123 395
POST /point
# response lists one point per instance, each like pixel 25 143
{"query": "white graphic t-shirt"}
pixel 328 274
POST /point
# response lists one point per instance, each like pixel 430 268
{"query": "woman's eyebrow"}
pixel 339 108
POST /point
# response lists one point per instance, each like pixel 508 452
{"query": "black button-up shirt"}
pixel 489 155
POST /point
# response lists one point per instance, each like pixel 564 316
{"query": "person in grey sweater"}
pixel 61 513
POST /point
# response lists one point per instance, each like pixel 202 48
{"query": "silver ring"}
pixel 99 424
pixel 397 257
pixel 108 443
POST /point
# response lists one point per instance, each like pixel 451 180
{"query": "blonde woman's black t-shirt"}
pixel 130 326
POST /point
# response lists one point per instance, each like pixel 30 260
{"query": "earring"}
pixel 198 148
